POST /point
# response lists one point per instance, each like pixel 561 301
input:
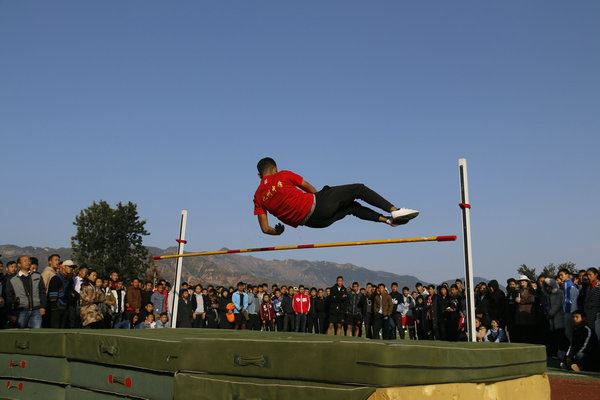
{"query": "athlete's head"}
pixel 266 166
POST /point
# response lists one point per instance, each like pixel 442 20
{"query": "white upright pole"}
pixel 181 241
pixel 466 222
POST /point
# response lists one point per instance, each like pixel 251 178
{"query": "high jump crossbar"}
pixel 311 246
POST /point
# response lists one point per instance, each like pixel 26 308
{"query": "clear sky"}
pixel 171 104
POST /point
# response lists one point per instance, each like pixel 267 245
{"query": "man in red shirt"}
pixel 296 202
pixel 301 309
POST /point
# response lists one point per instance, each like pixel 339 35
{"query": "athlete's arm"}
pixel 307 187
pixel 263 221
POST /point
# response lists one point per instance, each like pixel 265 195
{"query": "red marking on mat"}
pixel 8 384
pixel 445 238
pixel 20 386
pixel 464 205
pixel 110 379
pixel 23 364
pixel 181 241
pixel 306 246
pixel 128 382
pixel 10 364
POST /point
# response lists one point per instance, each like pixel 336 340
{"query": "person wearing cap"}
pixel 524 318
pixel 60 288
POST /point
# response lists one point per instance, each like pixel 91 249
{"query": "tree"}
pixel 528 272
pixel 550 270
pixel 569 266
pixel 110 239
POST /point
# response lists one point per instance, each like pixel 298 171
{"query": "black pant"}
pixel 380 325
pixel 334 203
pixel 368 325
pixel 253 323
pixel 288 323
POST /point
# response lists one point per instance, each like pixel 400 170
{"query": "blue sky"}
pixel 170 105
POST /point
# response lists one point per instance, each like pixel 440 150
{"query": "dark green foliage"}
pixel 110 239
pixel 548 271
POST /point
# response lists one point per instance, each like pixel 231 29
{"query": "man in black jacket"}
pixel 287 306
pixel 338 306
pixel 368 310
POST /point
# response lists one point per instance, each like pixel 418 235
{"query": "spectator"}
pixel 338 307
pixel 133 298
pixel 224 301
pixel 198 301
pixel 582 355
pixel 495 333
pixel 443 304
pixel 524 318
pixel 25 292
pixel 91 298
pixel 382 310
pixel 185 310
pixel 51 269
pixel 433 311
pixel 396 317
pixel 301 305
pixel 482 303
pixel 368 310
pixel 11 270
pixel 60 294
pixel 556 341
pixel 163 321
pixel 113 280
pixel 287 307
pixel 118 308
pixel 240 302
pixel 277 302
pixel 148 309
pixel 311 317
pixel 570 295
pixel 496 302
pixel 510 305
pixel 591 303
pixel 405 314
pixel 320 313
pixel 452 314
pixel 147 292
pixel 420 318
pixel 356 304
pixel 35 264
pixel 267 314
pixel 212 309
pixel 148 322
pixel 253 322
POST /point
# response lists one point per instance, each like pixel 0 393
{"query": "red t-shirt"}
pixel 279 194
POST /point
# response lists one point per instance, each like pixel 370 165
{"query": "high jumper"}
pixel 295 202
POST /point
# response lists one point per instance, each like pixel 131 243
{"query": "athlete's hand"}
pixel 279 228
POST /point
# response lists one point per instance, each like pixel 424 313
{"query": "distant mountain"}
pixel 230 269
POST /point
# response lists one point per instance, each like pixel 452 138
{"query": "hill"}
pixel 229 269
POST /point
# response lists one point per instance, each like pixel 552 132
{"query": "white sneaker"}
pixel 403 215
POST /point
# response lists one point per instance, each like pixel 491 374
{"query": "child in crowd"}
pixel 495 333
pixel 163 321
pixel 267 314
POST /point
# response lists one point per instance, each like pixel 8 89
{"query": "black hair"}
pixel 459 280
pixel 405 288
pixel 418 284
pixel 511 280
pixel 240 283
pixel 339 277
pixel 431 287
pixel 566 271
pixel 593 270
pixel 454 287
pixel 264 164
pixel 355 283
pixel 51 256
pixel 34 260
pixel 301 287
pixel 394 284
pixel 381 284
pixel 579 312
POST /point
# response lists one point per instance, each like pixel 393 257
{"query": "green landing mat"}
pixel 39 368
pixel 211 387
pixel 20 389
pixel 39 342
pixel 73 393
pixel 122 381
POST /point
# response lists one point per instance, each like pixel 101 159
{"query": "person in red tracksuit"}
pixel 267 314
pixel 301 307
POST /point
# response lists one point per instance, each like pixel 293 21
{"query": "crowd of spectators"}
pixel 561 312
